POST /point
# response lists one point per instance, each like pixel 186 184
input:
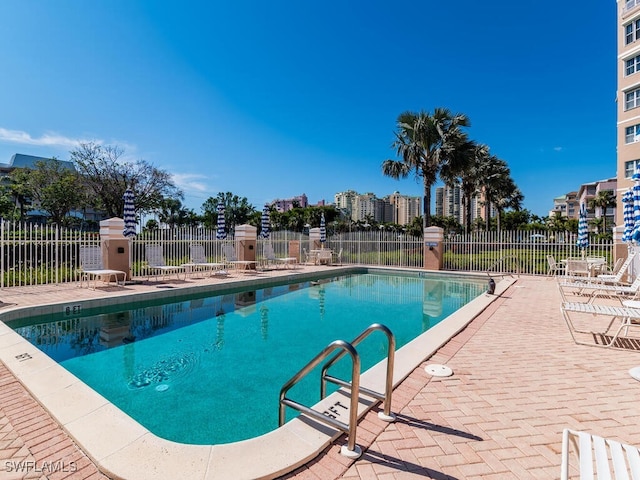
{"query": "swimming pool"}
pixel 210 358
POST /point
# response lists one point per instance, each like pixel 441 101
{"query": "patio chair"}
pixel 338 257
pixel 91 267
pixel 554 267
pixel 270 256
pixel 613 460
pixel 198 261
pixel 232 259
pixel 307 256
pixel 629 317
pixel 156 263
pixel 578 267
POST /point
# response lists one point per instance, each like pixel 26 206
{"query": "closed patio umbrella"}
pixel 323 230
pixel 220 232
pixel 265 223
pixel 583 230
pixel 635 235
pixel 627 215
pixel 129 214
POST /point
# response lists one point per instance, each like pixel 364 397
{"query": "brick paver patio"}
pixel 518 381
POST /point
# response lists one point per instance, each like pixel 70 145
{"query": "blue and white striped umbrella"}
pixel 265 223
pixel 129 214
pixel 220 232
pixel 583 229
pixel 627 215
pixel 635 234
pixel 323 229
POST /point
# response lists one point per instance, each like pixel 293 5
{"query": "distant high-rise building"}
pixel 395 208
pixel 450 203
pixel 403 208
pixel 289 203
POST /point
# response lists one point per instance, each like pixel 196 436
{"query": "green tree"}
pixel 499 189
pixel 107 175
pixel 603 200
pixel 425 142
pixel 237 210
pixel 56 188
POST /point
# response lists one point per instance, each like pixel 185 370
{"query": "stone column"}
pixel 433 248
pixel 115 247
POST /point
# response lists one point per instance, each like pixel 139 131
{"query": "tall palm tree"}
pixel 493 173
pixel 425 142
pixel 473 158
pixel 603 200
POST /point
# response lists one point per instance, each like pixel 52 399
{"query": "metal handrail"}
pixel 349 429
pixel 503 258
pixel 386 396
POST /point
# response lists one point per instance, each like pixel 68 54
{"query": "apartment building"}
pixel 394 208
pixel 566 205
pixel 628 96
pixel 450 203
pixel 284 205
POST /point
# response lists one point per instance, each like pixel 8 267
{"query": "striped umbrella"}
pixel 627 215
pixel 323 229
pixel 220 233
pixel 635 234
pixel 129 214
pixel 583 230
pixel 265 225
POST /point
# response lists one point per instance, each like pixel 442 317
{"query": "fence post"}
pixel 433 248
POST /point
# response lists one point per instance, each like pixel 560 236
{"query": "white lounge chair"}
pixel 91 267
pixel 156 263
pixel 232 259
pixel 611 459
pixel 199 262
pixel 621 291
pixel 270 256
pixel 629 317
pixel 619 270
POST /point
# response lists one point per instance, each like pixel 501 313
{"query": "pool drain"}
pixel 438 370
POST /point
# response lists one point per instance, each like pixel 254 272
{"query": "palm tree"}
pixel 499 188
pixel 603 200
pixel 474 158
pixel 425 142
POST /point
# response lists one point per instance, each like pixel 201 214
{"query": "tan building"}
pixel 628 96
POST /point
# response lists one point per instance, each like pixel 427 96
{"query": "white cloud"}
pixel 46 140
pixel 190 182
pixel 557 149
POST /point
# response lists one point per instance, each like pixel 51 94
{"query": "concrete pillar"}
pixel 314 239
pixel 294 250
pixel 433 248
pixel 245 238
pixel 115 246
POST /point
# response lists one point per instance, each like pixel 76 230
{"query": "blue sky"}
pixel 274 99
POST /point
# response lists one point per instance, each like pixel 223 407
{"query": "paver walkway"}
pixel 518 381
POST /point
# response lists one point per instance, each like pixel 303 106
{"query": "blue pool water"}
pixel 208 370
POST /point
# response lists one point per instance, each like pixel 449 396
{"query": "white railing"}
pixel 36 255
pixel 517 251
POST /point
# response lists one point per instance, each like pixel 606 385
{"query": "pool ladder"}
pixel 351 450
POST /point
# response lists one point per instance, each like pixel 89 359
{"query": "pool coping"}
pixel 122 448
